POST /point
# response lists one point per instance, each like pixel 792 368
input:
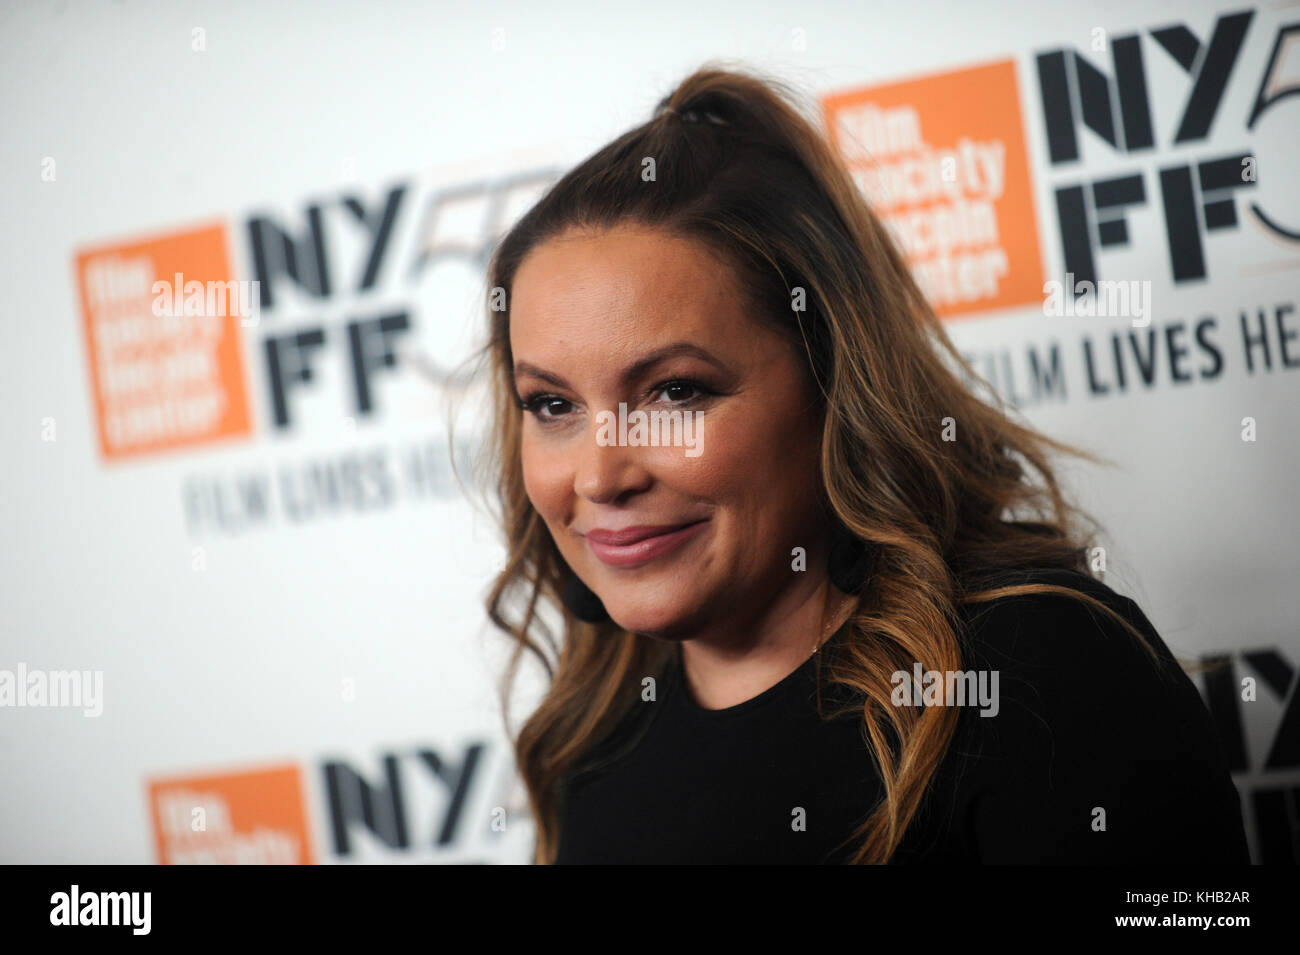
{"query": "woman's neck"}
pixel 724 674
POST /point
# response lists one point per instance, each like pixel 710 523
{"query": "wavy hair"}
pixel 741 169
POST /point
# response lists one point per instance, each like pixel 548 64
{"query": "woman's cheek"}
pixel 542 481
pixel 735 446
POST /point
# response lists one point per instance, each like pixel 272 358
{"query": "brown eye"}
pixel 534 404
pixel 681 391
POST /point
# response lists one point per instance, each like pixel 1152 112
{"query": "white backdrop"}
pixel 313 678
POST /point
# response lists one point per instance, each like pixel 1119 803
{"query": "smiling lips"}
pixel 637 545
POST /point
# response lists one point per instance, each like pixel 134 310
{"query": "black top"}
pixel 1084 723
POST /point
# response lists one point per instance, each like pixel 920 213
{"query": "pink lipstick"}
pixel 638 545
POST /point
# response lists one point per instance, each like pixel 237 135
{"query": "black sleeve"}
pixel 1094 755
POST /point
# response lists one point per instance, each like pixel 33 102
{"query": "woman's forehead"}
pixel 651 266
pixel 620 288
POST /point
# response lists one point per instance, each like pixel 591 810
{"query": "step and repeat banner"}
pixel 242 601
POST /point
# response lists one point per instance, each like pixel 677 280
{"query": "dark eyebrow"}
pixel 634 370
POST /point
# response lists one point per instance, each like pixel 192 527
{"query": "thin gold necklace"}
pixel 831 627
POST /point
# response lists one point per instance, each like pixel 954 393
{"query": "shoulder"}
pixel 1058 598
pixel 1091 750
pixel 1078 625
pixel 1066 664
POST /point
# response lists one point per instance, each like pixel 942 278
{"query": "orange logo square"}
pixel 942 161
pixel 165 363
pixel 254 817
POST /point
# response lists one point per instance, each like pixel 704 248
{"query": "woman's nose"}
pixel 606 471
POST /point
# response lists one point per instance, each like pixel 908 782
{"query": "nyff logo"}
pixel 1199 196
pixel 1231 686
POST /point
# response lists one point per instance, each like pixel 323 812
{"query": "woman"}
pixel 840 610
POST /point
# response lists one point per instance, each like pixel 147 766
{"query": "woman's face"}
pixel 590 313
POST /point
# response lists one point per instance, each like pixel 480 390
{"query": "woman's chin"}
pixel 656 619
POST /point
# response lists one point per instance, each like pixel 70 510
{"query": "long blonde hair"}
pixel 740 168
